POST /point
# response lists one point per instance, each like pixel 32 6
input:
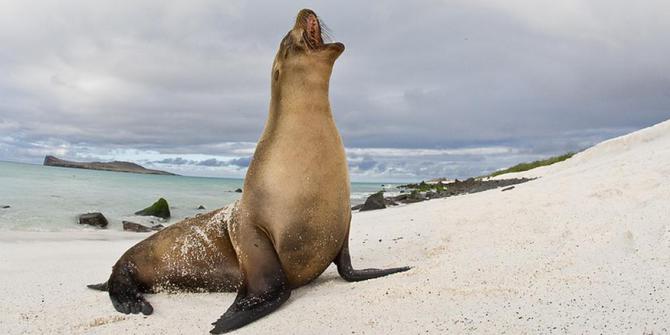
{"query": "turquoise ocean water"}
pixel 43 198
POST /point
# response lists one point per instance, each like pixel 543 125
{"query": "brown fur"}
pixel 192 255
pixel 297 186
pixel 293 219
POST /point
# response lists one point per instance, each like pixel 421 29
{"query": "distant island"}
pixel 116 166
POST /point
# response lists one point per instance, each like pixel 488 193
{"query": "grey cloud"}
pixel 238 162
pixel 174 161
pixel 178 79
pixel 241 162
pixel 366 163
pixel 211 162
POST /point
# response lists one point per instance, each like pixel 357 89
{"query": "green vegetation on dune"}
pixel 529 166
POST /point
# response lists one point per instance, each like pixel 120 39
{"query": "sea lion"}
pixel 293 219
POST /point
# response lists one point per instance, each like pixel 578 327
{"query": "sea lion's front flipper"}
pixel 343 262
pixel 264 284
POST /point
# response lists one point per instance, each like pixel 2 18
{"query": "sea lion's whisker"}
pixel 326 33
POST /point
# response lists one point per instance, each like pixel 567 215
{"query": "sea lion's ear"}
pixel 275 70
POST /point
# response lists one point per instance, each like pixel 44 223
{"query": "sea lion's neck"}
pixel 307 98
pixel 302 111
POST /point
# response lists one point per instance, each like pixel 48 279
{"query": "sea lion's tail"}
pixel 99 287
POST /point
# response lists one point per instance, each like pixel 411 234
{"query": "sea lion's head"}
pixel 303 55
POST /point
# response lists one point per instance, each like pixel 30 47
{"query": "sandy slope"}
pixel 583 249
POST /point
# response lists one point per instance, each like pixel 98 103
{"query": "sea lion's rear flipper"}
pixel 125 293
pixel 343 262
pixel 264 284
pixel 99 287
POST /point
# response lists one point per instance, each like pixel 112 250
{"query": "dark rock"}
pixel 201 207
pixel 159 209
pixel 5 206
pixel 239 190
pixel 357 207
pixel 375 201
pixel 414 197
pixel 157 227
pixel 405 198
pixel 399 198
pixel 390 202
pixel 93 219
pixel 412 193
pixel 136 227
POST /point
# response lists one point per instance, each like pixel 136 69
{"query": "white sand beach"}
pixel 584 249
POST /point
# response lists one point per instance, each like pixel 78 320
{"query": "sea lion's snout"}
pixel 303 54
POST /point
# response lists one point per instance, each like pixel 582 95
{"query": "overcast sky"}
pixel 424 88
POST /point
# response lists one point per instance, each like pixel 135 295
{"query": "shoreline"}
pixel 51 198
pixel 71 235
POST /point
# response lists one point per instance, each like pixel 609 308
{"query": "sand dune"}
pixel 583 249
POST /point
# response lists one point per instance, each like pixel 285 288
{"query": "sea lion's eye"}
pixel 276 75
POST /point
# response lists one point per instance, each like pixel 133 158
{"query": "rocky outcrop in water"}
pixel 160 209
pixel 138 228
pixel 375 201
pixel 93 219
pixel 423 191
pixel 116 166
